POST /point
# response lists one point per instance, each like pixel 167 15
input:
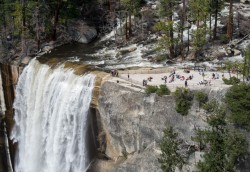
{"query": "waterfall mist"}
pixel 51 109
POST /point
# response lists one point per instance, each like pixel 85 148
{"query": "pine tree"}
pixel 215 7
pixel 170 158
pixel 199 10
pixel 166 9
pixel 246 64
pixel 224 147
pixel 132 7
pixel 230 21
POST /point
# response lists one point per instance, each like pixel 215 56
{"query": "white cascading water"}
pixel 51 109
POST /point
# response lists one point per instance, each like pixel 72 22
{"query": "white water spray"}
pixel 51 108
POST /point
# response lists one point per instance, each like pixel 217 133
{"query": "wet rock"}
pixel 127 50
pixel 81 32
pixel 26 60
pixel 236 52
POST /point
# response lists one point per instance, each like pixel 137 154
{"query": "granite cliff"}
pixel 132 125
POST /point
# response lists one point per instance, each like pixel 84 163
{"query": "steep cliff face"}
pixel 9 75
pixel 134 122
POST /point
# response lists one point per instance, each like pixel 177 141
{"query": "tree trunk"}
pixel 126 26
pixel 23 13
pixel 184 11
pixel 198 22
pixel 229 72
pixel 210 26
pixel 129 25
pixel 171 34
pixel 56 19
pixel 230 21
pixel 215 20
pixel 37 29
pixel 183 19
pixel 244 69
pixel 23 32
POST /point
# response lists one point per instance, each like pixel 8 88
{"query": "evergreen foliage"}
pixel 224 147
pixel 160 91
pixel 210 106
pixel 199 10
pixel 246 64
pixel 167 41
pixel 199 38
pixel 151 89
pixel 183 100
pixel 163 90
pixel 215 6
pixel 165 7
pixel 238 102
pixel 170 157
pixel 22 15
pixel 224 39
pixel 231 81
pixel 201 97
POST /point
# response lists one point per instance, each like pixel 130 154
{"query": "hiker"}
pixel 186 83
pixel 213 76
pixel 128 76
pixel 165 79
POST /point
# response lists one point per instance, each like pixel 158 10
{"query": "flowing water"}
pixel 51 109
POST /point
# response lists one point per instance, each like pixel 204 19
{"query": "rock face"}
pixel 134 124
pixel 81 32
pixel 244 21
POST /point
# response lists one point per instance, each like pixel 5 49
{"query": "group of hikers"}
pixel 173 76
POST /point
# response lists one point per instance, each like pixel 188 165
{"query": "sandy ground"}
pixel 157 79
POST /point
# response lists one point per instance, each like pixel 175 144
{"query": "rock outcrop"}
pixel 134 124
pixel 244 21
pixel 9 76
pixel 81 32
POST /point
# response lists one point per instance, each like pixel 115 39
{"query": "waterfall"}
pixel 51 109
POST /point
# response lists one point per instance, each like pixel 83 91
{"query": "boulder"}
pixel 26 60
pixel 81 32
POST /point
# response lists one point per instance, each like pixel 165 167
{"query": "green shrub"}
pixel 163 90
pixel 125 153
pixel 232 81
pixel 210 106
pixel 224 38
pixel 161 57
pixel 201 97
pixel 183 100
pixel 182 106
pixel 238 102
pixel 151 89
pixel 160 91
